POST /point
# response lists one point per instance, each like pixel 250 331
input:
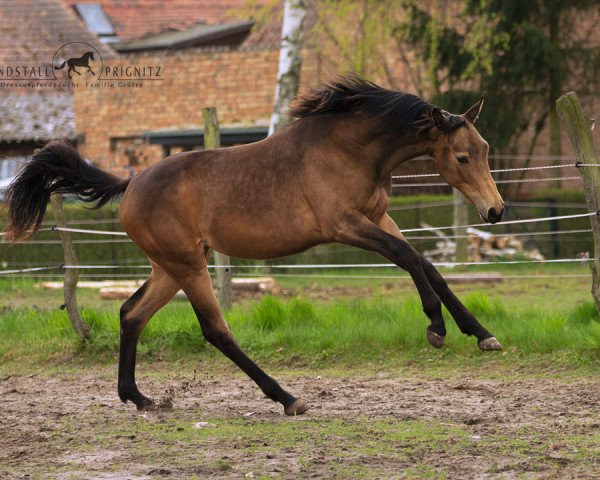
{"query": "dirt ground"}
pixel 72 425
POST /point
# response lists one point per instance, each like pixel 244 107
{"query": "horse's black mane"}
pixel 396 111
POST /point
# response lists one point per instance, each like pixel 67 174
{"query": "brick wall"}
pixel 241 84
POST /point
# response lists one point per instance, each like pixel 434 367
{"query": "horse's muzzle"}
pixel 494 216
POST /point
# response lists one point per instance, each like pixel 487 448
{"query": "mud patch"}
pixel 374 427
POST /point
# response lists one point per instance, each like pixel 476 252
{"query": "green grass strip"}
pixel 341 331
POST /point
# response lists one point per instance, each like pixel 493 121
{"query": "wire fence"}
pixel 505 170
pixel 285 269
pixel 518 180
pixel 292 266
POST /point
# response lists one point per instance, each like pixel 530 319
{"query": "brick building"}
pixel 207 55
pixel 32 114
pixel 240 84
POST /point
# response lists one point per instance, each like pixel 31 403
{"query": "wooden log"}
pixel 250 285
pixel 71 274
pixel 479 277
pixel 579 129
pixel 212 139
pixel 93 284
pixel 501 242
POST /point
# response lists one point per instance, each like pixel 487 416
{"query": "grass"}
pixel 299 332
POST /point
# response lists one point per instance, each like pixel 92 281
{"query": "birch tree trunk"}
pixel 288 76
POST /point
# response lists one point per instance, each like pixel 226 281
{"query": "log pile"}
pixel 483 247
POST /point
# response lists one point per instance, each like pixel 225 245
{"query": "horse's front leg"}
pixel 357 230
pixel 89 69
pixel 465 320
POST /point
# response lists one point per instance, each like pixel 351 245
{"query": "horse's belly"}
pixel 262 238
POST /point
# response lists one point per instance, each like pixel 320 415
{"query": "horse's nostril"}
pixel 494 216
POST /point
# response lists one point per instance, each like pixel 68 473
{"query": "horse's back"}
pixel 246 201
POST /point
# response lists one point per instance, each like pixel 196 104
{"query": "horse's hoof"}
pixel 146 405
pixel 489 344
pixel 297 408
pixel 436 340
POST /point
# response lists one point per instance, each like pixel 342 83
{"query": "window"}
pixel 96 21
pixel 9 166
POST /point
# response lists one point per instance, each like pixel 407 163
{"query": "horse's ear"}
pixel 472 113
pixel 438 119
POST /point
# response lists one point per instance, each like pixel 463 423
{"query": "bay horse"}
pixel 83 61
pixel 326 177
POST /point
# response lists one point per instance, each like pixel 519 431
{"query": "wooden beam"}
pixel 71 274
pixel 579 128
pixel 223 262
pixel 460 216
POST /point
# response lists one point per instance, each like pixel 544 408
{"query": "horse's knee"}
pixel 431 272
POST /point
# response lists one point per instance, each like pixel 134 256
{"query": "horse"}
pixel 325 177
pixel 83 61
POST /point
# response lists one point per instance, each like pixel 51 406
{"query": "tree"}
pixel 290 62
pixel 519 55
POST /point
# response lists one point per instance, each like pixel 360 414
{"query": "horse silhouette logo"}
pixel 83 61
pixel 69 55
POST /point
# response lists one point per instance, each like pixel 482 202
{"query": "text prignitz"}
pixel 132 72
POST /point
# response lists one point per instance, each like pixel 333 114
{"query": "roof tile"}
pixel 36 116
pixel 133 19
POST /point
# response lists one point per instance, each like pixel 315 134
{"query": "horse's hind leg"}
pixel 135 313
pixel 197 285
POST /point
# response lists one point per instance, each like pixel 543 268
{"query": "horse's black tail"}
pixel 62 66
pixel 56 168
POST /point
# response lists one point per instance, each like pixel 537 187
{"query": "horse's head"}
pixel 89 55
pixel 461 158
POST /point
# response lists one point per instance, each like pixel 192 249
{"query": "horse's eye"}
pixel 463 159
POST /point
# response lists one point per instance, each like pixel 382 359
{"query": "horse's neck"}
pixel 406 149
pixel 351 137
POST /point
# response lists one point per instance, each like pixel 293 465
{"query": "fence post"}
pixel 579 129
pixel 460 216
pixel 212 139
pixel 71 274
